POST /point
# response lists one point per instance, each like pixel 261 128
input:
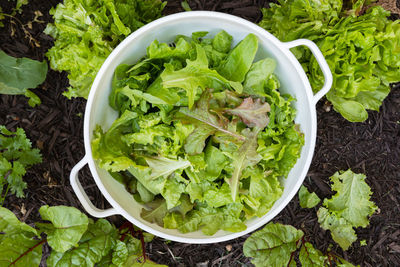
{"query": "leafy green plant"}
pixel 86 32
pixel 350 207
pixel 307 199
pixel 362 50
pixel 276 245
pixel 19 74
pixel 75 240
pixel 16 155
pixel 203 135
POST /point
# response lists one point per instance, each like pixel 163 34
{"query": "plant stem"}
pixel 27 252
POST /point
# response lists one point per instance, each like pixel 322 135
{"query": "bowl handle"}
pixel 322 64
pixel 83 197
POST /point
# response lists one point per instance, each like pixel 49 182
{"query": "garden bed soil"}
pixel 56 127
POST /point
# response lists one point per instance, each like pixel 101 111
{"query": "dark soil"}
pixel 56 127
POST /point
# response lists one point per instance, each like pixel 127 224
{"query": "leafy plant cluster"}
pixel 362 49
pixel 75 240
pixel 350 207
pixel 86 32
pixel 203 133
pixel 16 155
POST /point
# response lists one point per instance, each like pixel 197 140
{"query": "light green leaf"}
pixel 308 200
pixel 352 198
pixel 341 230
pixel 258 75
pixel 240 59
pixel 196 75
pixel 272 245
pixel 68 226
pixel 19 74
pixel 9 224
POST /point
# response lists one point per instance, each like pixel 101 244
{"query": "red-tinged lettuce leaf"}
pixel 246 156
pixel 67 226
pixel 253 113
pixel 272 245
pixel 207 121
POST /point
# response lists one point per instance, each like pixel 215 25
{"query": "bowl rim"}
pixel 206 15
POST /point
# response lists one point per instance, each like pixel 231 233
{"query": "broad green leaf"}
pixel 96 243
pixel 9 224
pixel 68 225
pixel 308 200
pixel 20 250
pixel 19 74
pixel 310 256
pixel 240 59
pixel 272 245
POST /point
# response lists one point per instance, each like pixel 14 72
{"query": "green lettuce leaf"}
pixel 67 226
pixel 19 74
pixel 196 75
pixel 348 208
pixel 272 245
pixel 308 200
pixel 258 76
pixel 240 59
pixel 361 50
pixel 86 32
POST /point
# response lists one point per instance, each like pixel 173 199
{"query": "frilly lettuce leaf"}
pixel 85 33
pixel 361 50
pixel 348 208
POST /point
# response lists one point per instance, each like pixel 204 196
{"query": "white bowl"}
pixel 293 81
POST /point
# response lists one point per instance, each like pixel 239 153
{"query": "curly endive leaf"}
pixel 273 245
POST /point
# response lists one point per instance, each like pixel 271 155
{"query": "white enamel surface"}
pixel 291 75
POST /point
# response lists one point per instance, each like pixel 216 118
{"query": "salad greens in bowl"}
pixel 203 134
pixel 200 127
